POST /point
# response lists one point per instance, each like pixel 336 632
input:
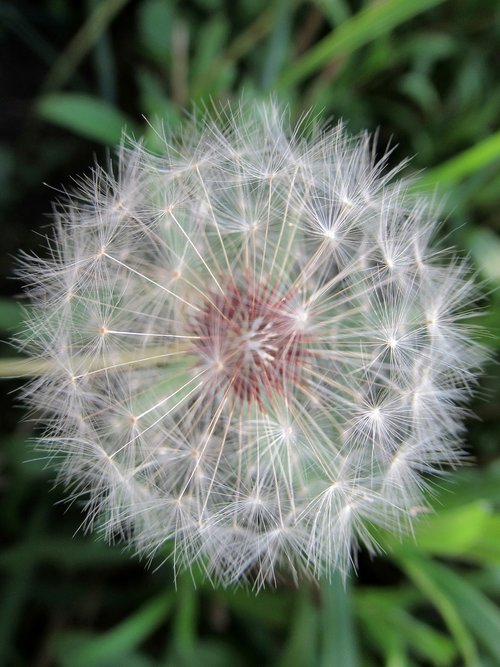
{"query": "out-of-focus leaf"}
pixel 185 621
pixel 300 648
pixel 210 653
pixel 240 46
pixel 469 486
pixel 452 532
pixel 79 650
pixel 375 20
pixel 393 629
pixel 428 46
pixel 487 549
pixel 480 614
pixel 420 570
pixel 86 116
pixel 64 552
pixel 336 11
pixel 418 87
pixel 11 315
pixel 278 44
pixel 270 607
pixel 104 63
pixel 17 585
pixel 338 644
pixel 466 163
pixel 210 46
pixel 384 638
pixel 154 99
pixel 89 33
pixel 484 246
pixel 155 20
pixel 26 463
pixel 73 643
pixel 210 5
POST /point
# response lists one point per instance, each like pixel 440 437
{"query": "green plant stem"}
pixel 24 367
pixel 185 621
pixel 338 646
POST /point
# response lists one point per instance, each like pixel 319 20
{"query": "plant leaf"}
pixel 86 116
pixel 377 19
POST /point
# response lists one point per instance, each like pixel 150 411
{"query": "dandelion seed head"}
pixel 254 352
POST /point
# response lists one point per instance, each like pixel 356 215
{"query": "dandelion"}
pixel 256 356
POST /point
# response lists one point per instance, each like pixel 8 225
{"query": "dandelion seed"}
pixel 256 354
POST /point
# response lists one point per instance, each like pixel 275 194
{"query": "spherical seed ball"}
pixel 254 355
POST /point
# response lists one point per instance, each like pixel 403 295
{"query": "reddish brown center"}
pixel 249 342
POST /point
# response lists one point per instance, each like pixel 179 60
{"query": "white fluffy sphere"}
pixel 253 353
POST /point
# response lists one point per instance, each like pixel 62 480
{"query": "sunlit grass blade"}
pixel 481 616
pixel 462 165
pixel 394 631
pixel 422 573
pixel 374 21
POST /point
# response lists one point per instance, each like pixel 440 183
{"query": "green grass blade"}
pixel 484 247
pixel 376 20
pixel 478 613
pixel 338 646
pixel 84 40
pixel 421 572
pixel 278 44
pixel 184 631
pixel 300 648
pixel 104 62
pixel 464 164
pixel 393 629
pixel 453 531
pixel 109 647
pixel 336 11
pixel 269 607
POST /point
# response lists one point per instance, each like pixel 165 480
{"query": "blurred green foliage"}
pixel 424 75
